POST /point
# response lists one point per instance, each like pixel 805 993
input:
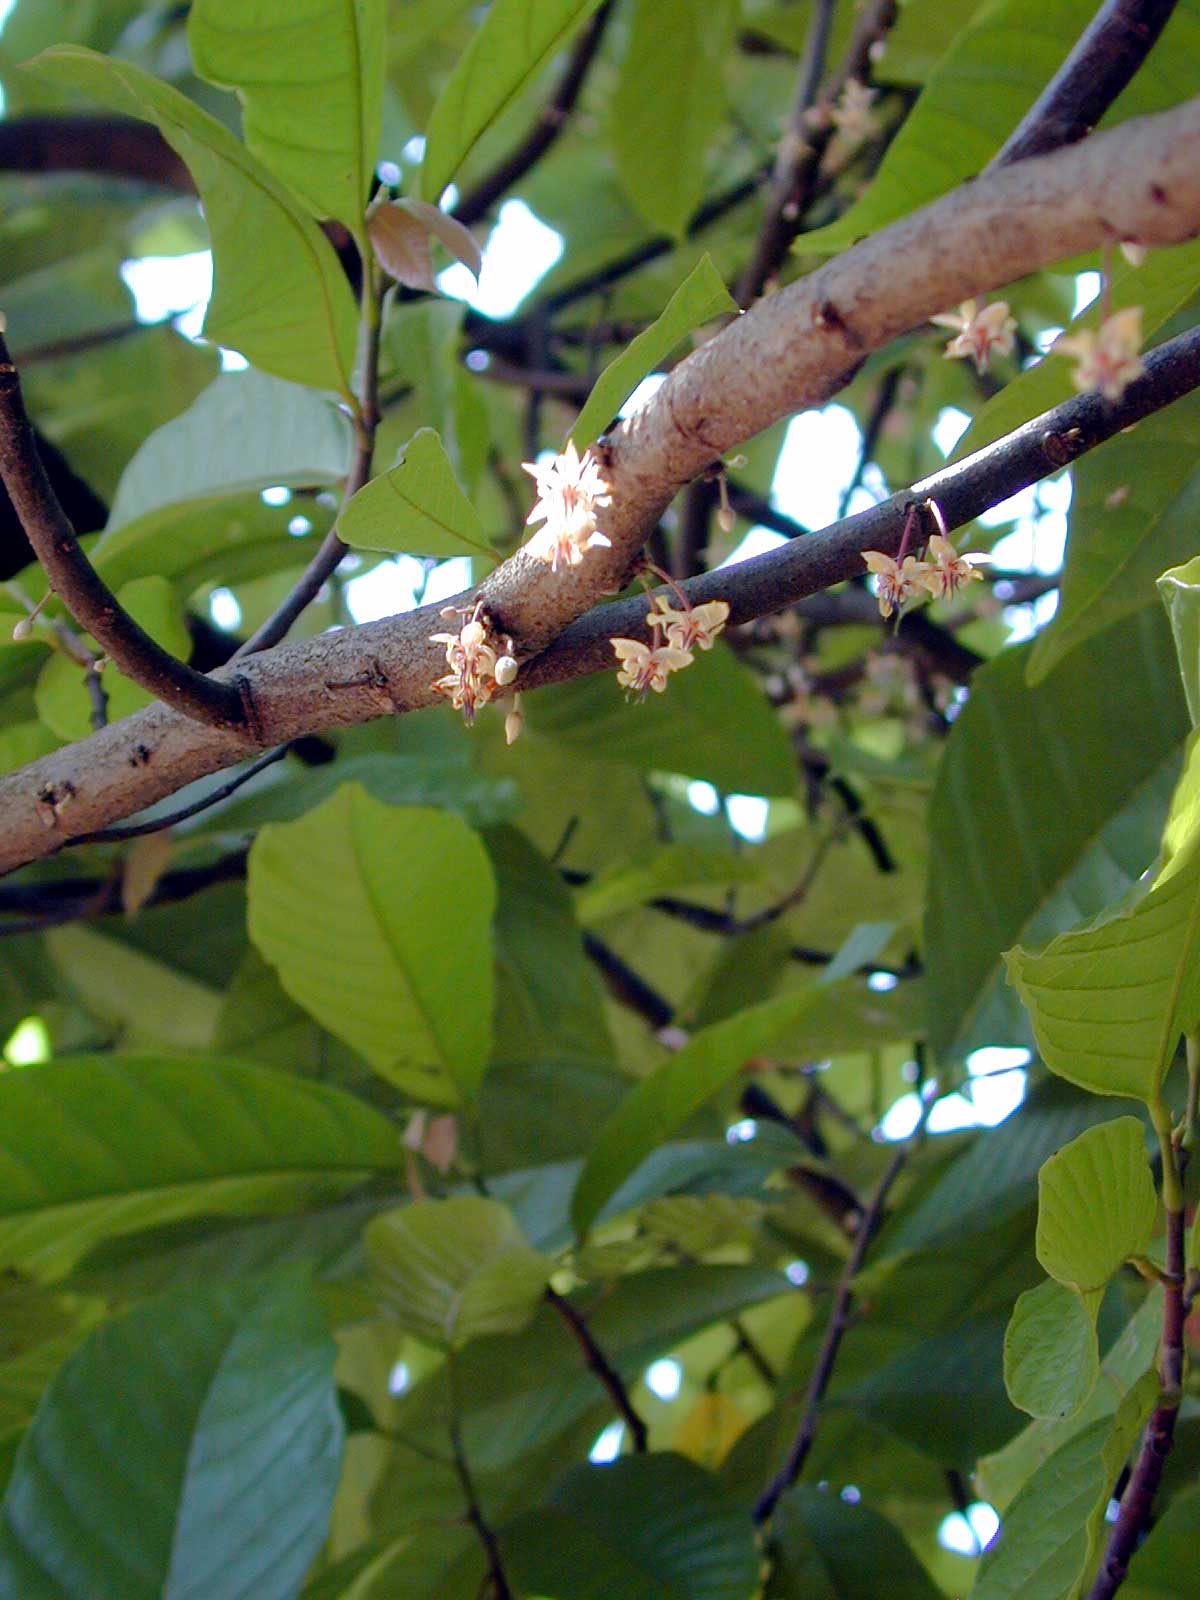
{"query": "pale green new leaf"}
pixel 1109 1001
pixel 1179 590
pixel 666 105
pixel 378 920
pixel 1096 1205
pixel 310 79
pixel 701 296
pixel 213 1450
pixel 516 38
pixel 93 1146
pixel 1051 1353
pixel 451 1271
pixel 417 507
pixel 279 293
pixel 1134 511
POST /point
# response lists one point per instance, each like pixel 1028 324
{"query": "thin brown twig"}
pixel 599 1363
pixel 496 1578
pixel 137 830
pixel 77 583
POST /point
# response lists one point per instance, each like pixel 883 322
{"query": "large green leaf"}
pixel 143 999
pixel 516 38
pixel 649 1527
pixel 825 1549
pixel 1051 1354
pixel 1035 824
pixel 279 293
pixel 1133 513
pixel 246 432
pixel 1109 1001
pixel 679 731
pixel 1096 1205
pixel 664 108
pixel 310 80
pixel 701 296
pixel 416 507
pixel 378 921
pixel 659 1104
pixel 99 1145
pixel 213 1448
pixel 1179 590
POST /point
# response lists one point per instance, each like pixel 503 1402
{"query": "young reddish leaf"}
pixel 458 240
pixel 401 246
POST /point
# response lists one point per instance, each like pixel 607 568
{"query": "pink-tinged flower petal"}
pixel 1109 357
pixel 895 583
pixel 979 332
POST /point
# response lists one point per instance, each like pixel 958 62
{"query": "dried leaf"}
pixel 144 866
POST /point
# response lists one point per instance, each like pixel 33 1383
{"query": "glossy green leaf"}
pixel 1020 854
pixel 279 293
pixel 827 1549
pixel 1051 1354
pixel 1096 1205
pixel 378 921
pixel 677 731
pixel 515 39
pixel 1133 512
pixel 1164 1566
pixel 95 1146
pixel 664 107
pixel 63 701
pixel 1179 590
pixel 701 296
pixel 311 86
pixel 648 1527
pixel 660 1104
pixel 214 1447
pixel 416 507
pixel 1109 1001
pixel 455 1270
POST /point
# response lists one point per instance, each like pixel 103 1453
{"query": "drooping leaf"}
pixel 1096 1205
pixel 1179 590
pixel 1051 1355
pixel 279 293
pixel 416 507
pixel 826 1549
pixel 94 1146
pixel 452 1271
pixel 214 1447
pixel 378 921
pixel 648 1527
pixel 1020 854
pixel 311 92
pixel 701 296
pixel 515 39
pixel 1109 1001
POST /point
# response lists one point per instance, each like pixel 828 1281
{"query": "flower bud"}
pixel 506 670
pixel 22 630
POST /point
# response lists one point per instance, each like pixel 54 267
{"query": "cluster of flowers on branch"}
pixel 677 634
pixel 481 666
pixel 905 577
pixel 569 491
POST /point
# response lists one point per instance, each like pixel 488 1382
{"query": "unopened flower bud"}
pixel 514 722
pixel 22 630
pixel 506 670
pixel 726 519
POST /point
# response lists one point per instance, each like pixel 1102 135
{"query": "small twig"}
pixel 98 695
pixel 747 1347
pixel 136 830
pixel 627 986
pixel 496 1577
pixel 477 202
pixel 71 575
pixel 598 1363
pixel 835 1332
pixel 1106 57
pixel 881 406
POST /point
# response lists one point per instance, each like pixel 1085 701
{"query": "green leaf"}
pixel 279 293
pixel 1133 512
pixel 245 432
pixel 678 731
pixel 144 1001
pixel 94 1146
pixel 701 296
pixel 1179 590
pixel 455 1270
pixel 63 701
pixel 661 1103
pixel 666 105
pixel 1051 1354
pixel 517 37
pixel 648 1527
pixel 1109 1001
pixel 1096 1205
pixel 826 1549
pixel 310 80
pixel 417 507
pixel 1164 1566
pixel 214 1445
pixel 1017 856
pixel 378 921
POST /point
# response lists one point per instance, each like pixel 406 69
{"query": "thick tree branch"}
pixel 122 147
pixel 793 349
pixel 73 578
pixel 1108 54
